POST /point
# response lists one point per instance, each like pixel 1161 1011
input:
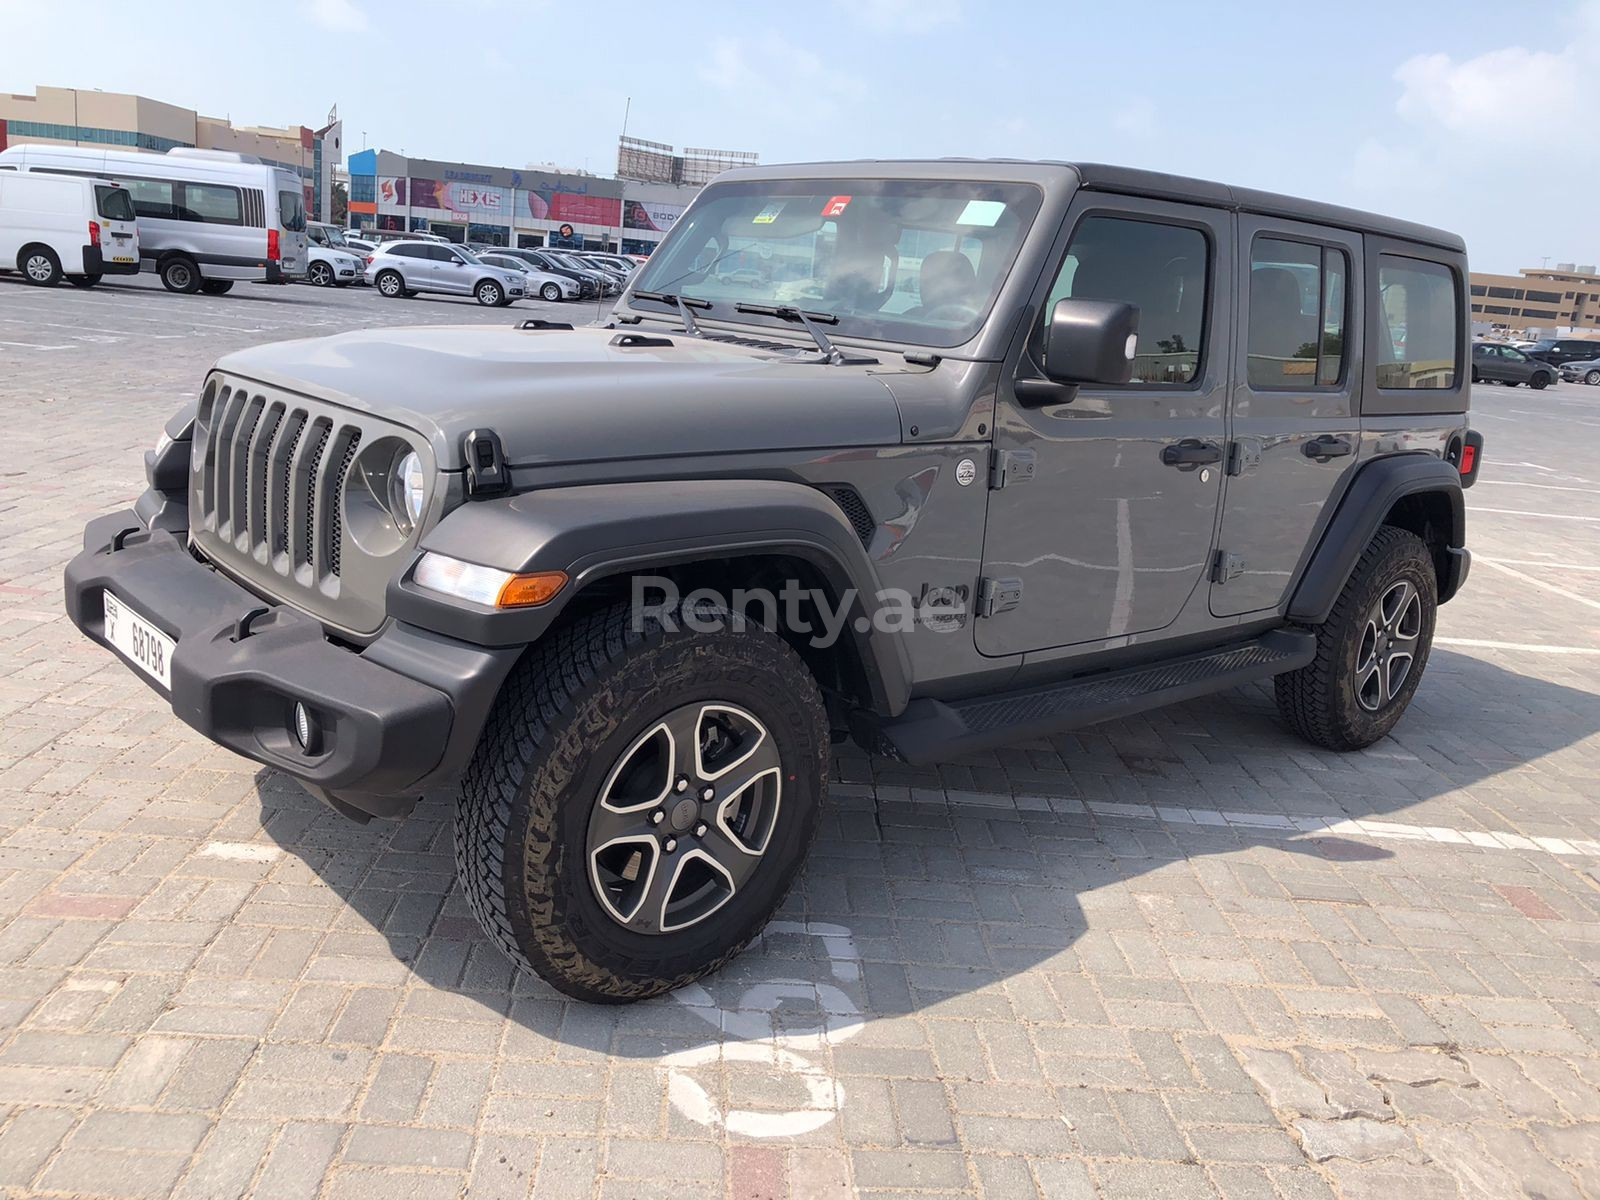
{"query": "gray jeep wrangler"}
pixel 1001 448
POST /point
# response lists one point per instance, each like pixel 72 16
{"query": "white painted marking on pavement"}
pixel 1519 647
pixel 240 851
pixel 1522 512
pixel 1539 583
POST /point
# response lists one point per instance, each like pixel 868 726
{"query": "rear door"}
pixel 1111 534
pixel 119 229
pixel 1294 432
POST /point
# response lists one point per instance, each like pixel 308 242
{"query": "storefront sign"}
pixel 646 214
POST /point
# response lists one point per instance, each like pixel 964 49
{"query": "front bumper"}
pixel 394 718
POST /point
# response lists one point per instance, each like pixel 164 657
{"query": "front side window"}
pixel 1297 314
pixel 906 260
pixel 292 211
pixel 113 203
pixel 1419 305
pixel 211 204
pixel 1162 269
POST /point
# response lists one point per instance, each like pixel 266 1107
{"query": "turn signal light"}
pixel 525 591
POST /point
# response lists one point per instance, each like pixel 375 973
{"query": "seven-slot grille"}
pixel 269 480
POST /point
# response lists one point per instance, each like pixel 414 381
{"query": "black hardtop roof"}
pixel 1101 177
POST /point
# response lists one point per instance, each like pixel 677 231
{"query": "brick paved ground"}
pixel 1175 956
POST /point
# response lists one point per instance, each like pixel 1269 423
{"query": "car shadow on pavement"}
pixel 965 875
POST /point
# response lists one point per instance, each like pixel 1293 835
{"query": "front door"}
pixel 1113 533
pixel 450 271
pixel 1292 417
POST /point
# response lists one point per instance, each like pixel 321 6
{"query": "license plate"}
pixel 139 641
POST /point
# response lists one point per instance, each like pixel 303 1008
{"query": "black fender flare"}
pixel 1376 489
pixel 595 531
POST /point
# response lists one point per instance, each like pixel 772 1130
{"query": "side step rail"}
pixel 935 730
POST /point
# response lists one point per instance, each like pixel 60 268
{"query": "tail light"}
pixel 273 253
pixel 94 233
pixel 370 257
pixel 1469 458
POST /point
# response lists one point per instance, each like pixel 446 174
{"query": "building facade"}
pixel 511 206
pixel 1538 301
pixel 117 121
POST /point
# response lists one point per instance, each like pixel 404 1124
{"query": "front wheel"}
pixel 1539 382
pixel 1371 650
pixel 320 274
pixel 550 292
pixel 490 294
pixel 40 266
pixel 1591 377
pixel 179 274
pixel 641 800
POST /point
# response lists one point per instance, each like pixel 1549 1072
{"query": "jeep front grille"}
pixel 266 498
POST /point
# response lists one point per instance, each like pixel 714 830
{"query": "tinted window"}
pixel 1161 268
pixel 408 251
pixel 1418 304
pixel 113 203
pixel 1297 299
pixel 292 211
pixel 210 203
pixel 152 198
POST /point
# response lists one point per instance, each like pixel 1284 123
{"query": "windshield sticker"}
pixel 836 206
pixel 982 212
pixel 768 215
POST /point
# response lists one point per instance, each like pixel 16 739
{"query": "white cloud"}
pixel 776 76
pixel 339 16
pixel 903 16
pixel 1484 93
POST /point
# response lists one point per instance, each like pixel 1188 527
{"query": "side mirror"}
pixel 1091 341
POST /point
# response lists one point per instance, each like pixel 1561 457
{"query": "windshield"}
pixel 292 211
pixel 570 264
pixel 896 259
pixel 113 203
pixel 467 254
pixel 328 235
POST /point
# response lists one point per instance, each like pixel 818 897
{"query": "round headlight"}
pixel 408 489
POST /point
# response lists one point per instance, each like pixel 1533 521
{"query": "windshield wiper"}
pixel 684 305
pixel 812 323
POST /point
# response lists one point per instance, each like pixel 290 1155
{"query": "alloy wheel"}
pixel 1388 645
pixel 684 817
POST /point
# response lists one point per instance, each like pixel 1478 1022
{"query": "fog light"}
pixel 305 729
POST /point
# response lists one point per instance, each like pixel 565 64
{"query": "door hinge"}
pixel 1011 466
pixel 998 596
pixel 1243 454
pixel 1226 566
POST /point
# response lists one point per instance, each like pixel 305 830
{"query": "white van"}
pixel 59 225
pixel 207 218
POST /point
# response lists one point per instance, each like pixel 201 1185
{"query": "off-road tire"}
pixel 180 274
pixel 565 715
pixel 1319 700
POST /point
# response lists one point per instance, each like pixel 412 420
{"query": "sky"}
pixel 1475 116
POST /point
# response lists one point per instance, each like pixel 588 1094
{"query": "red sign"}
pixel 836 206
pixel 585 210
pixel 2 133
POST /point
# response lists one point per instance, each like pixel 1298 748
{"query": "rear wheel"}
pixel 490 294
pixel 180 274
pixel 1371 650
pixel 641 801
pixel 390 284
pixel 83 281
pixel 216 287
pixel 39 266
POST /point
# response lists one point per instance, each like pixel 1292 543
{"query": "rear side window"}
pixel 1297 314
pixel 1419 304
pixel 1161 268
pixel 292 211
pixel 211 204
pixel 408 252
pixel 152 198
pixel 113 203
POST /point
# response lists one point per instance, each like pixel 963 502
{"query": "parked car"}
pixel 606 284
pixel 544 260
pixel 605 266
pixel 517 600
pixel 334 267
pixel 323 234
pixel 540 283
pixel 1582 371
pixel 207 218
pixel 1496 363
pixel 406 268
pixel 1556 351
pixel 65 226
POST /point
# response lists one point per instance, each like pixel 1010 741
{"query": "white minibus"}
pixel 55 226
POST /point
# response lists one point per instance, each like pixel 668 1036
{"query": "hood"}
pixel 562 396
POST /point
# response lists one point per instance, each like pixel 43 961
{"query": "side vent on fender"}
pixel 854 508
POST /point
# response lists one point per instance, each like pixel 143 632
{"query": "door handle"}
pixel 1191 452
pixel 1327 446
